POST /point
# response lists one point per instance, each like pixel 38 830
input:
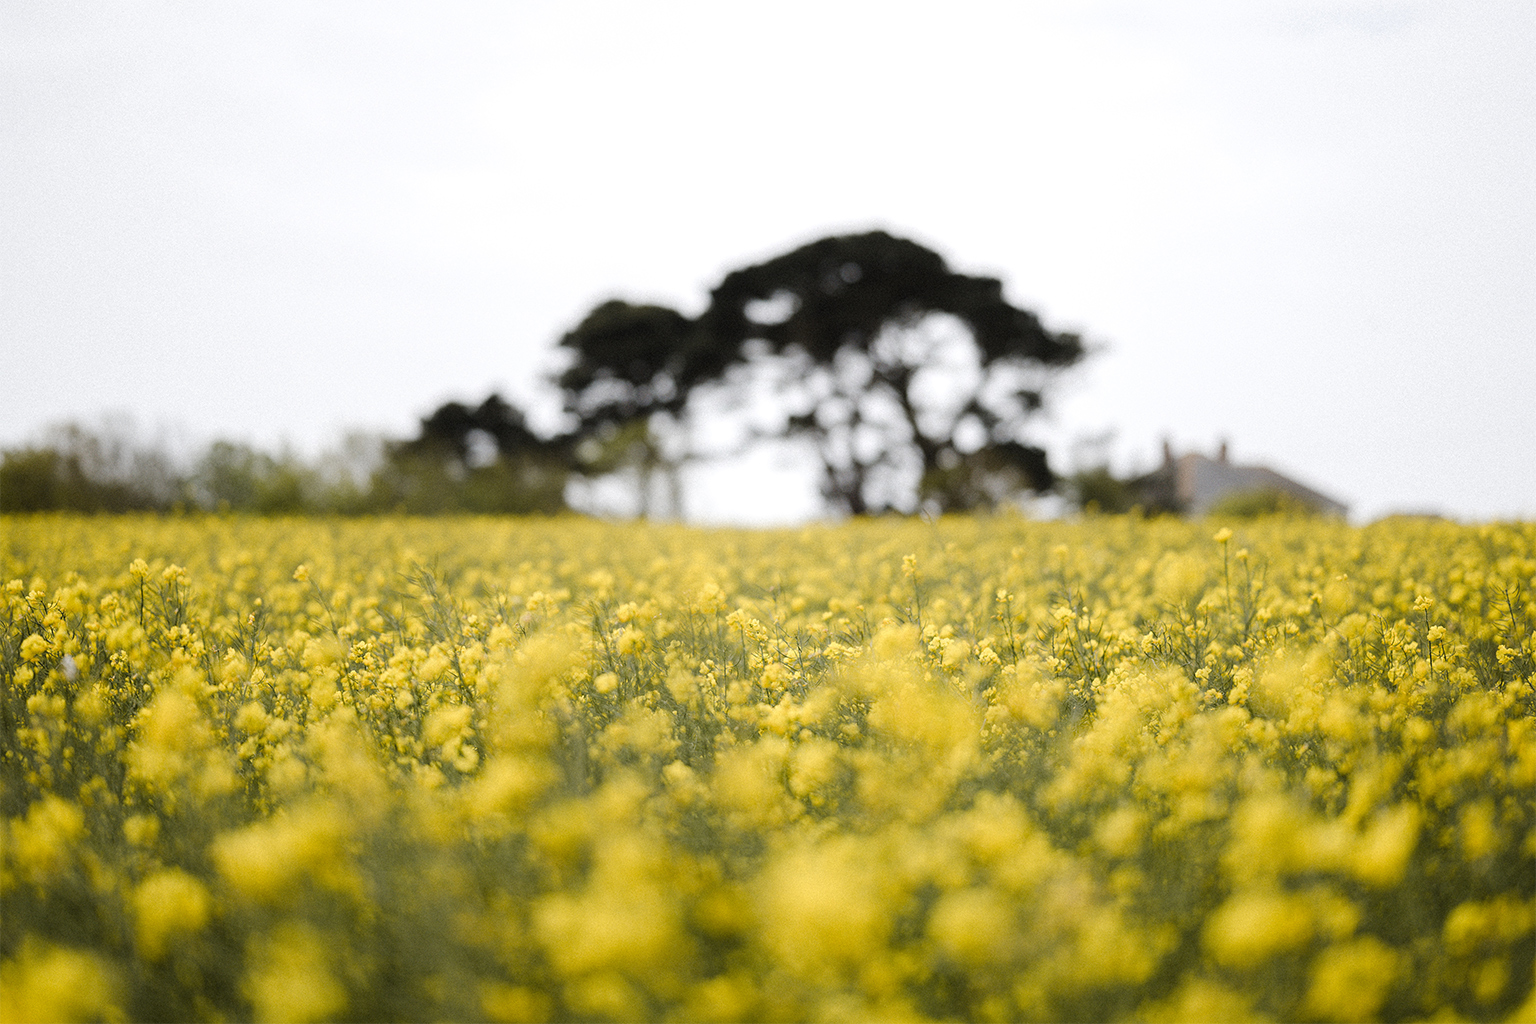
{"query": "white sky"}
pixel 1305 226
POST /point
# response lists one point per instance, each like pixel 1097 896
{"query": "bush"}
pixel 1267 501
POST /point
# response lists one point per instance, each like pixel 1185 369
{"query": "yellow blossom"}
pixel 42 843
pixel 290 976
pixel 1254 926
pixel 167 904
pixel 823 909
pixel 1350 981
pixel 973 927
pixel 57 983
pixel 1381 855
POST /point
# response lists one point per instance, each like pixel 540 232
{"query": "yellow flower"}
pixel 606 995
pixel 1255 925
pixel 141 829
pixel 56 983
pixel 43 843
pixel 1476 924
pixel 290 976
pixel 1121 832
pixel 1380 856
pixel 776 676
pixel 729 997
pixel 746 782
pixel 508 785
pixel 974 927
pixel 1200 999
pixel 514 1004
pixel 34 648
pixel 823 909
pixel 166 904
pixel 1351 981
pixel 445 723
pixel 627 918
pixel 954 653
pixel 1179 578
pixel 794 806
pixel 631 641
pixel 252 719
pixel 814 765
pixel 915 710
pixel 265 862
pixel 1479 830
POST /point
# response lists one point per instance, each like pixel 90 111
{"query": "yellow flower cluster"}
pixel 977 768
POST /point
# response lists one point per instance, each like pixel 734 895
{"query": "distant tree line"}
pixel 108 468
pixel 909 384
pixel 445 469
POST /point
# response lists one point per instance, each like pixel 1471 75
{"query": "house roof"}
pixel 1201 482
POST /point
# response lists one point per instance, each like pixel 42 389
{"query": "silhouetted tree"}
pixel 633 369
pixel 484 459
pixel 912 381
pixel 629 361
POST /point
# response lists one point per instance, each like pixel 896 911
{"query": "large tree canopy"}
pixel 912 382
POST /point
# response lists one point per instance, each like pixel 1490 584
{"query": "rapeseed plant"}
pixel 979 768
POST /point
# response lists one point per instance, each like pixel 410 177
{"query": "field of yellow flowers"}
pixel 975 768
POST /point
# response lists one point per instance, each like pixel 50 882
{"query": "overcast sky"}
pixel 1305 227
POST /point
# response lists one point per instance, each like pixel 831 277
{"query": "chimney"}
pixel 1167 453
pixel 1221 452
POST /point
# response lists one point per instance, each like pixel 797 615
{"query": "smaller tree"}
pixel 631 373
pixel 484 459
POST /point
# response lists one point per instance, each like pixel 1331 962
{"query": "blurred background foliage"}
pixel 907 385
pixel 446 469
